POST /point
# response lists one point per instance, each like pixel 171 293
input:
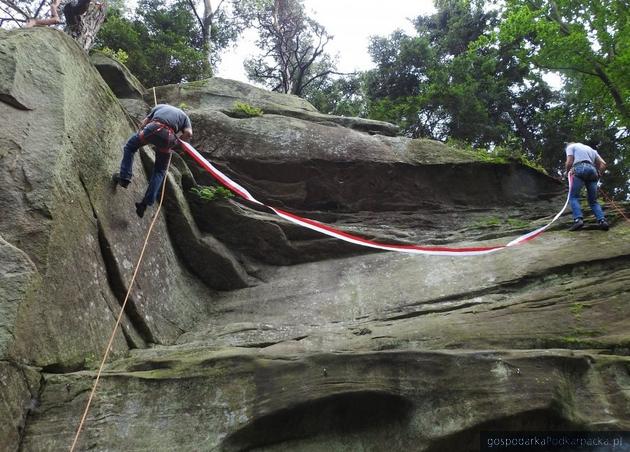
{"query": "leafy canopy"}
pixel 162 42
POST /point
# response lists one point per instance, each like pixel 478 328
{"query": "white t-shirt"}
pixel 581 153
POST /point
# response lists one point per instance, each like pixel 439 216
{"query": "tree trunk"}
pixel 87 25
pixel 206 28
pixel 622 107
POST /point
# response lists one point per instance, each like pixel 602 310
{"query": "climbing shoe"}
pixel 578 223
pixel 124 183
pixel 603 224
pixel 140 208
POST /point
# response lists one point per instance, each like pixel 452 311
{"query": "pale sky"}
pixel 351 22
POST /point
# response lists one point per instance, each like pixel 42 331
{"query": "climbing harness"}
pixel 157 128
pixel 341 235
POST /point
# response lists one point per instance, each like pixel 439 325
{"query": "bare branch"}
pixel 25 13
pixel 11 18
pixel 39 8
pixel 194 9
pixel 567 68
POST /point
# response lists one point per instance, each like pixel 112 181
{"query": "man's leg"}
pixel 574 199
pixel 126 164
pixel 155 184
pixel 591 189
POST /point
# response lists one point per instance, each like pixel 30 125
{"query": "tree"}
pixel 443 84
pixel 83 18
pixel 17 12
pixel 343 96
pixel 293 47
pixel 220 26
pixel 163 42
pixel 588 42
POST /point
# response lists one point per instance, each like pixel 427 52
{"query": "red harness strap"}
pixel 160 127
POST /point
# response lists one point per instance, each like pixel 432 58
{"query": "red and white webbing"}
pixel 332 232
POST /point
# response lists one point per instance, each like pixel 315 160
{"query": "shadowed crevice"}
pixel 13 102
pixel 345 413
pixel 469 440
pixel 117 284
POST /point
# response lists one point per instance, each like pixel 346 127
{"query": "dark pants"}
pixel 162 145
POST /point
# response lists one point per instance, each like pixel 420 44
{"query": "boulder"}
pixel 19 393
pixel 83 237
pixel 121 81
pixel 223 95
pixel 242 399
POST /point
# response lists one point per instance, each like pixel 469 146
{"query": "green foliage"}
pixel 162 41
pixel 588 43
pixel 581 336
pixel 487 222
pixel 344 96
pixel 244 110
pixel 211 193
pixel 577 309
pixel 475 74
pixel 442 84
pixel 119 55
pixel 517 223
pixel 498 154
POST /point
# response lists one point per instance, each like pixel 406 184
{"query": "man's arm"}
pixel 186 134
pixel 569 163
pixel 600 164
pixel 144 122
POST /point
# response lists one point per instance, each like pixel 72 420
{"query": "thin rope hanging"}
pixel 122 308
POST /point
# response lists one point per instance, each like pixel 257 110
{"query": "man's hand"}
pixel 186 134
pixel 144 122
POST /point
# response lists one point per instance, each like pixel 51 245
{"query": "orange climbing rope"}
pixel 122 308
pixel 610 201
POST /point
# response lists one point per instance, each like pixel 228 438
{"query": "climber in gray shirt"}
pixel 173 117
pixel 587 167
pixel 159 128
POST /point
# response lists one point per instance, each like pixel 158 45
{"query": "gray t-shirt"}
pixel 582 153
pixel 171 116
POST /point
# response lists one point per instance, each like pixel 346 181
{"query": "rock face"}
pixel 246 332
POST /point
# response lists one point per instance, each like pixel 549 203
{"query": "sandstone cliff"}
pixel 247 332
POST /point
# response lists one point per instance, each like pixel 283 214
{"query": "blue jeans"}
pixel 585 175
pixel 162 155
